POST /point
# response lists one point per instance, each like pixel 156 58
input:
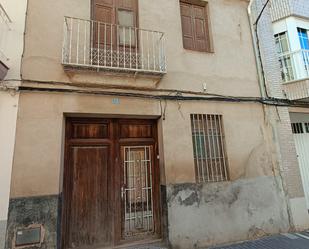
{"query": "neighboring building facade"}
pixel 285 54
pixel 291 29
pixel 140 121
pixel 12 23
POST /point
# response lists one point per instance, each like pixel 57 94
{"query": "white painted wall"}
pixel 12 41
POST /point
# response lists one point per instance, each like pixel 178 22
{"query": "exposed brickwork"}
pixel 281 119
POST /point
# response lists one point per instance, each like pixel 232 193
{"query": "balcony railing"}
pixel 104 46
pixel 294 65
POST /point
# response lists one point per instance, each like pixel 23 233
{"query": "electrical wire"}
pixel 264 101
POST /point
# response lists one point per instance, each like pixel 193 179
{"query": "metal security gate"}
pixel 301 138
pixel 137 191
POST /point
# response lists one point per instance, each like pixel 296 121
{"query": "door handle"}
pixel 122 192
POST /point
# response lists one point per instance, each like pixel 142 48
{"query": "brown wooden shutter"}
pixel 187 26
pixel 195 28
pixel 106 11
pixel 103 11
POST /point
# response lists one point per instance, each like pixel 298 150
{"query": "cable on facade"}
pixel 166 97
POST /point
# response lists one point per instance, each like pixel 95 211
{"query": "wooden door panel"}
pixel 89 219
pixel 95 159
pixel 136 131
pixel 88 131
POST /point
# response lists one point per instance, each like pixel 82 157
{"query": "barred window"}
pixel 297 128
pixel 210 158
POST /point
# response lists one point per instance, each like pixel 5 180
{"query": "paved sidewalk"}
pixel 284 241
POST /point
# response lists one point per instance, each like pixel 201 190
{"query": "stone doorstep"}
pixel 153 244
pixel 158 245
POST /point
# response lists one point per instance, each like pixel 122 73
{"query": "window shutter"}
pixel 187 26
pixel 195 27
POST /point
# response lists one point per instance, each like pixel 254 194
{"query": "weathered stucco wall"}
pixel 204 215
pixel 37 168
pixel 229 70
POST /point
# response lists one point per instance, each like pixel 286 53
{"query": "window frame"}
pixel 209 148
pixel 209 41
pixel 303 37
pixel 286 61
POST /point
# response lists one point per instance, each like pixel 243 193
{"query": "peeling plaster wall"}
pixel 41 211
pixel 218 213
pixel 2 232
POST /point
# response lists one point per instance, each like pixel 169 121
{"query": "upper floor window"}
pixel 107 14
pixel 286 62
pixel 282 42
pixel 195 25
pixel 303 38
pixel 209 148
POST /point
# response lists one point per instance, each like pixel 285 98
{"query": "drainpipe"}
pixel 257 53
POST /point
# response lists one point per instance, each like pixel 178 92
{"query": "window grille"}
pixel 208 138
pixel 307 127
pixel 297 128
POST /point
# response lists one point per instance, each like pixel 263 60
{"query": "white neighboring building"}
pixel 12 25
pixel 280 28
pixel 290 20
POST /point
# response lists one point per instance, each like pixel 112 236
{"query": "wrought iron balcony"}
pixel 295 73
pixel 104 46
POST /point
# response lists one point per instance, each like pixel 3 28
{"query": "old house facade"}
pixel 143 122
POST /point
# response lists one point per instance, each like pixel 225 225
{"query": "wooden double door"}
pixel 111 183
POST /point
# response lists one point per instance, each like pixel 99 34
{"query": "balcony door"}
pixel 114 32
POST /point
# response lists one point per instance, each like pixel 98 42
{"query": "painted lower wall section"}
pixel 218 213
pixel 2 232
pixel 34 211
pixel 199 215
